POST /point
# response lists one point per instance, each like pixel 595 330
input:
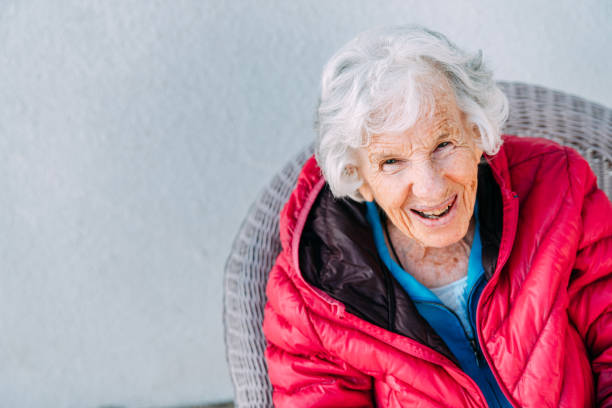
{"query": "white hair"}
pixel 382 81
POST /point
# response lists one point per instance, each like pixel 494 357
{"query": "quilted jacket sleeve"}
pixel 301 372
pixel 590 290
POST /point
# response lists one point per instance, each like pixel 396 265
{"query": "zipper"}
pixel 477 354
pixel 513 213
pixel 473 344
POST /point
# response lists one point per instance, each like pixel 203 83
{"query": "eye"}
pixel 443 145
pixel 389 164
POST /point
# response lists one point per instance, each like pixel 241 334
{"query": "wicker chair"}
pixel 534 111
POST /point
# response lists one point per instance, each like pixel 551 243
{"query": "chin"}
pixel 438 243
pixel 442 239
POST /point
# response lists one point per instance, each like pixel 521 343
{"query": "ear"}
pixel 366 192
pixel 475 132
pixel 477 140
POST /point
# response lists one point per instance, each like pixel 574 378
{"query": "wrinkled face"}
pixel 425 178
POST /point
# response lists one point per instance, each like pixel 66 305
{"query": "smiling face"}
pixel 425 178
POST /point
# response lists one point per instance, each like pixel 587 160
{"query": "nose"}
pixel 427 182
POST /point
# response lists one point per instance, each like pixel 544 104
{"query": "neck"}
pixel 431 266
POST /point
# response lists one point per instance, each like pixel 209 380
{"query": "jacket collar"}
pixel 337 255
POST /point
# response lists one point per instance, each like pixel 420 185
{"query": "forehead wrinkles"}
pixel 420 137
pixel 389 146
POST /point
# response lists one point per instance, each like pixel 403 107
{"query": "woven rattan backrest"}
pixel 534 111
pixel 566 119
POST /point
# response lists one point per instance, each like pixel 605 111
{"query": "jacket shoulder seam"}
pixel 537 156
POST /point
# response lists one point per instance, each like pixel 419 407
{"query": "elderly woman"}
pixel 429 261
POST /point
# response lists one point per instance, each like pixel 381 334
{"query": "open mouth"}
pixel 436 213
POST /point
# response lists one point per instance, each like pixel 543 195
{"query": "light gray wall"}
pixel 134 135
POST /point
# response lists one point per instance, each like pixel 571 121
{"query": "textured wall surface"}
pixel 133 136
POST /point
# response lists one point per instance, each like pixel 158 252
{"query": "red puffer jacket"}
pixel 342 334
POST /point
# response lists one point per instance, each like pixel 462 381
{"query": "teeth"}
pixel 434 214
